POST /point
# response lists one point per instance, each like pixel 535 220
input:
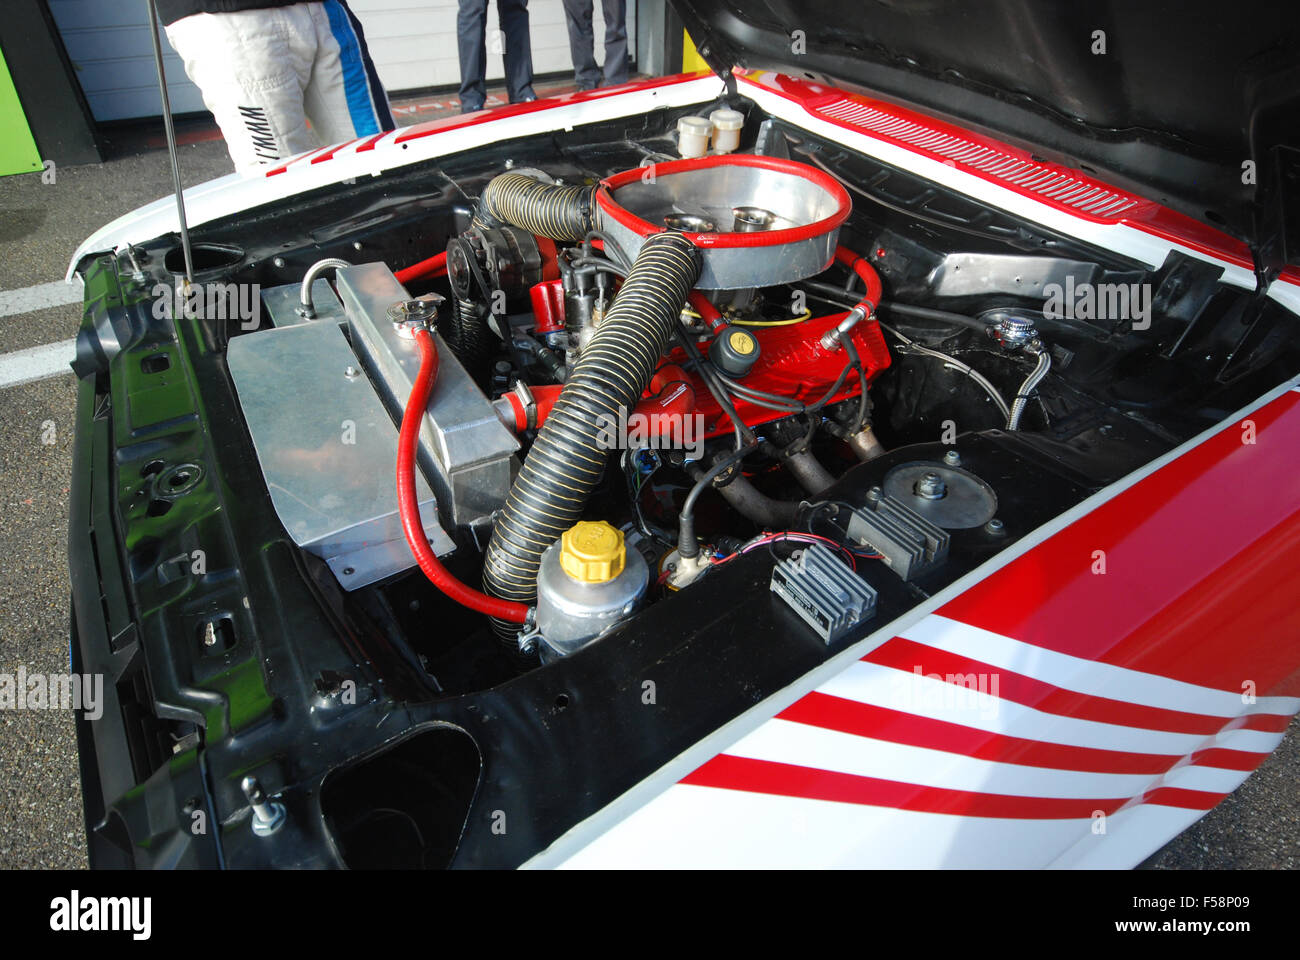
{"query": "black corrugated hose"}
pixel 543 209
pixel 566 460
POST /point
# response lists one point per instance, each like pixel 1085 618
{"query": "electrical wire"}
pixel 710 377
pixel 793 536
pixel 912 346
pixel 687 545
pixel 773 323
pixel 954 363
pixel 612 248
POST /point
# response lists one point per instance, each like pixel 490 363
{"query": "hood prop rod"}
pixel 171 143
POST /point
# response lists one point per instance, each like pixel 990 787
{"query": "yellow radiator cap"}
pixel 592 551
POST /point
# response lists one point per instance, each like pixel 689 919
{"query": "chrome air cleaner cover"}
pixel 776 221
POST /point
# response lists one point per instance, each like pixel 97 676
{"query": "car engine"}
pixel 586 443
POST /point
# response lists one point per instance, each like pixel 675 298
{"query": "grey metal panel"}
pixel 969 274
pixel 466 450
pixel 281 303
pixel 328 450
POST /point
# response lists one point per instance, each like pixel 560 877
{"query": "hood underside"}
pixel 1194 103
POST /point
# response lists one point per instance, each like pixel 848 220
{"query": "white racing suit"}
pixel 265 73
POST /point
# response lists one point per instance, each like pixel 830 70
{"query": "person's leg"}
pixel 344 97
pixel 582 43
pixel 471 27
pixel 513 17
pixel 615 12
pixel 251 76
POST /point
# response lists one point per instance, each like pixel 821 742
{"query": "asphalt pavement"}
pixel 40 802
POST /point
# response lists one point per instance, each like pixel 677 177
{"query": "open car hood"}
pixel 1193 103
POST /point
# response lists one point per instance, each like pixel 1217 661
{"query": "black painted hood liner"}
pixel 1184 94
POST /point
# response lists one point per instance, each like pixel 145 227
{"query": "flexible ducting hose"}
pixel 566 460
pixel 544 209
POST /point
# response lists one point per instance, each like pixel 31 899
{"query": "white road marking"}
pixel 36 363
pixel 56 293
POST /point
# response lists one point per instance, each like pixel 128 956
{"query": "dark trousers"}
pixel 582 42
pixel 471 35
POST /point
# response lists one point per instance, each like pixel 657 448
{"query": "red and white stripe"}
pixel 1045 715
pixel 882 767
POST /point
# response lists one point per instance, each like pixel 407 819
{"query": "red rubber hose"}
pixel 409 508
pixel 867 273
pixel 433 267
pixel 707 311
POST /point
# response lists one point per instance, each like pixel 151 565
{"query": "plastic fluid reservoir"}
pixel 693 136
pixel 588 581
pixel 726 125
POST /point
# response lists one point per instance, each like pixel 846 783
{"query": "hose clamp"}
pixel 529 402
pixel 530 634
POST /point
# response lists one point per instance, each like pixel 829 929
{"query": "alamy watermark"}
pixel 653 431
pixel 209 301
pixel 75 913
pixel 1098 301
pixel 53 691
pixel 926 693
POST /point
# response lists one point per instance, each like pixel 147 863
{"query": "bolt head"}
pixel 931 487
pixel 952 458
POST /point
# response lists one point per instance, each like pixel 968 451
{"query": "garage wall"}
pixel 109 46
pixel 413 44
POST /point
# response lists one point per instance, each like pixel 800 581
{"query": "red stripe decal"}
pixel 882 723
pixel 787 780
pixel 910 656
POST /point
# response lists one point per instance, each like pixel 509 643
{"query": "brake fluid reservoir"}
pixel 588 581
pixel 693 136
pixel 727 125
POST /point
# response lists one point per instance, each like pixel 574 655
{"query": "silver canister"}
pixel 571 613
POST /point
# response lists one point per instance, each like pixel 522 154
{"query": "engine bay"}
pixel 552 420
pixel 671 358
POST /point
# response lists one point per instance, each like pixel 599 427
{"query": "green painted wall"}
pixel 18 152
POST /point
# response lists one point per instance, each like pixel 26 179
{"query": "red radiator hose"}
pixel 433 267
pixel 409 508
pixel 867 273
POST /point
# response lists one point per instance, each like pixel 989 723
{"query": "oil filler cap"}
pixel 734 351
pixel 592 551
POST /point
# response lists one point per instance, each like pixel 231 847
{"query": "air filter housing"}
pixel 758 221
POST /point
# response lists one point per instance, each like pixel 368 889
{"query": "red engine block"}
pixel 792 363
